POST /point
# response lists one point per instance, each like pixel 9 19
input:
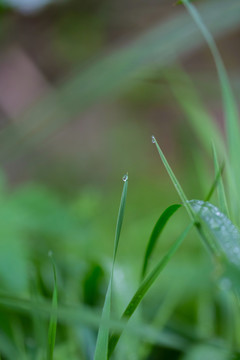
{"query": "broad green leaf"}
pixel 101 352
pixel 53 320
pixel 226 239
pixel 157 230
pixel 146 284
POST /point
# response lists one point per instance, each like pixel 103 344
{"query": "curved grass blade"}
pixel 101 352
pixel 226 238
pixel 53 320
pixel 229 104
pixel 220 188
pixel 146 284
pixel 157 230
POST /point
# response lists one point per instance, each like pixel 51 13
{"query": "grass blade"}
pixel 101 352
pixel 207 351
pixel 215 183
pixel 120 217
pixel 157 230
pixel 229 104
pixel 220 187
pixel 175 181
pixel 210 245
pixel 190 103
pixel 146 284
pixel 53 320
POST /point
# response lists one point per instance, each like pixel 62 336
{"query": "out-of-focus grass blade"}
pixel 220 187
pixel 215 183
pixel 7 349
pixel 53 320
pixel 175 181
pixel 230 107
pixel 157 230
pixel 207 351
pixel 226 237
pixel 113 72
pixel 188 99
pixel 85 315
pixel 146 284
pixel 101 352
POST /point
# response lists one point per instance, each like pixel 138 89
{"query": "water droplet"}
pixel 153 140
pixel 125 178
pixel 225 284
pixel 50 253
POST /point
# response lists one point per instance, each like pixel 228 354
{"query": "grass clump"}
pixel 193 310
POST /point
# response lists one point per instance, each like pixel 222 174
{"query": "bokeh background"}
pixel 84 84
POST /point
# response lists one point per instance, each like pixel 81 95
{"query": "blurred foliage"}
pixel 115 73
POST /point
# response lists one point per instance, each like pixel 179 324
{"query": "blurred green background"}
pixel 83 86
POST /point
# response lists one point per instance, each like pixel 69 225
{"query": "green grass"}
pixel 53 320
pixel 101 352
pixel 146 284
pixel 186 306
pixel 158 228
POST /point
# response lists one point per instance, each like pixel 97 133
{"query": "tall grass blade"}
pixel 157 230
pixel 210 245
pixel 215 183
pixel 190 103
pixel 146 284
pixel 53 320
pixel 101 352
pixel 175 181
pixel 229 104
pixel 220 187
